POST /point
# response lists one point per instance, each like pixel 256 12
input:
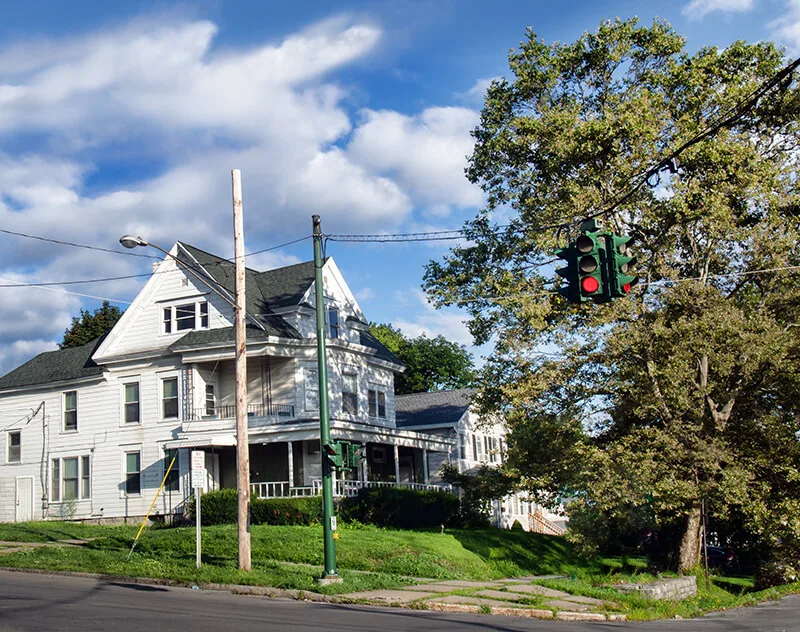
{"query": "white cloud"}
pixel 365 294
pixel 427 153
pixel 786 29
pixel 432 322
pixel 476 95
pixel 698 9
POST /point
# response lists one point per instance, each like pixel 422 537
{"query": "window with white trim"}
pixel 173 480
pixel 462 446
pixel 211 400
pixel 349 393
pixel 14 447
pixel 377 403
pixel 333 322
pixel 311 388
pixel 131 403
pixel 133 473
pixel 169 398
pixel 184 317
pixel 71 410
pixel 70 478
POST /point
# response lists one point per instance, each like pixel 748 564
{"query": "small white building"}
pixel 450 414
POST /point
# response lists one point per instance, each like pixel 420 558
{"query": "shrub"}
pixel 517 526
pixel 286 511
pixel 781 567
pixel 401 508
pixel 221 507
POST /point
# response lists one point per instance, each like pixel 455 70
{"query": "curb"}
pixel 304 595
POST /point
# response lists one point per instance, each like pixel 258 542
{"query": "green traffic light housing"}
pixel 591 250
pixel 620 265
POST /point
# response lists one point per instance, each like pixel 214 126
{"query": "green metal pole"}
pixel 328 517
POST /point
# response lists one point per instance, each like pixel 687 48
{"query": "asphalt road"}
pixel 50 602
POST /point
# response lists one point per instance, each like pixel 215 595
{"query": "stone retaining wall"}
pixel 673 589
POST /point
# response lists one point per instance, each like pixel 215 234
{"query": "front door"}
pixel 24 509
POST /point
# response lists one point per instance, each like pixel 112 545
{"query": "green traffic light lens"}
pixel 587 264
pixel 584 244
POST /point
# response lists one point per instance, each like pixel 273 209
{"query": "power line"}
pixel 55 289
pixel 440 235
pixel 49 283
pixel 75 245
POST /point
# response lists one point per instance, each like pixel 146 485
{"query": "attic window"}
pixel 185 317
pixel 333 323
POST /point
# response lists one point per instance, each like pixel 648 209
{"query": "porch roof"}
pixel 305 431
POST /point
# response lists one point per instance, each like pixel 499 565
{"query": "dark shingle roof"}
pixel 283 287
pixel 55 366
pixel 258 305
pixel 381 352
pixel 226 335
pixel 432 409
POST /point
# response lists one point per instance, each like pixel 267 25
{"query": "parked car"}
pixel 722 557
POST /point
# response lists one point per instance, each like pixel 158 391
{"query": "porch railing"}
pixel 253 410
pixel 282 489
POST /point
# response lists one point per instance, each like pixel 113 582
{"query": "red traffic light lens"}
pixel 590 285
pixel 626 288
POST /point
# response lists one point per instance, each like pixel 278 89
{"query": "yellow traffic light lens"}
pixel 587 264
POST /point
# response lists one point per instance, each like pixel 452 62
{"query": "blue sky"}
pixel 128 117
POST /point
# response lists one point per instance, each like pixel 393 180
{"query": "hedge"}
pixel 401 508
pixel 221 507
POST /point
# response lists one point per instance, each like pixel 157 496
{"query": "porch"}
pixel 294 468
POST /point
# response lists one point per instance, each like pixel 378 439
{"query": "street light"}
pixel 242 446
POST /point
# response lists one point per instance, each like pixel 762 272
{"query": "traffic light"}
pixel 620 264
pixel 591 257
pixel 333 452
pixel 569 291
pixel 352 454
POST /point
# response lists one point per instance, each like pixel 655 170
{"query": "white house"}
pixel 88 432
pixel 450 414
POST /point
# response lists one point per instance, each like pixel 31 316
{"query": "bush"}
pixel 221 507
pixel 517 526
pixel 286 511
pixel 401 508
pixel 781 567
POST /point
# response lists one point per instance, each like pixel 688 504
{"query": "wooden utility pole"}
pixel 242 441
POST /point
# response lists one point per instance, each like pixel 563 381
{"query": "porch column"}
pixel 425 466
pixel 396 465
pixel 364 465
pixel 291 464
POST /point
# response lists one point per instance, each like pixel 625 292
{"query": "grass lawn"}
pixel 368 558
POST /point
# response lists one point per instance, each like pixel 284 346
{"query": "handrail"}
pixel 253 410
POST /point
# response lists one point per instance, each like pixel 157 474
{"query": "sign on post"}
pixel 198 482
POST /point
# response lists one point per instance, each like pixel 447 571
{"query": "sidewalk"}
pixel 520 597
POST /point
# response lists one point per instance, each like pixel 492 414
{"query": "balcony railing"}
pixel 253 410
pixel 282 489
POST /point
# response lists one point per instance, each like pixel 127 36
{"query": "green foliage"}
pixel 401 508
pixel 478 490
pixel 433 364
pixel 87 327
pixel 517 526
pixel 221 507
pixel 688 389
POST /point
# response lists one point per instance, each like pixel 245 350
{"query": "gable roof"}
pixel 55 366
pixel 432 409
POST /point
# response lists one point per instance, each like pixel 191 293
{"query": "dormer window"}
pixel 185 317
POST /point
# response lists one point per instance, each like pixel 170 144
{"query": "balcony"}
pixel 277 412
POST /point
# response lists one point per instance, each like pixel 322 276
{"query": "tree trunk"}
pixel 690 545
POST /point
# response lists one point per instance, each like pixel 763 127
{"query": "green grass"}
pixel 368 559
pixel 389 557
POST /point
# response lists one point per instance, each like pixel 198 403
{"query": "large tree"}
pixel 687 389
pixel 432 364
pixel 88 326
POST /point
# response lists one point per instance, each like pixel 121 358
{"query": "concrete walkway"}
pixel 520 597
